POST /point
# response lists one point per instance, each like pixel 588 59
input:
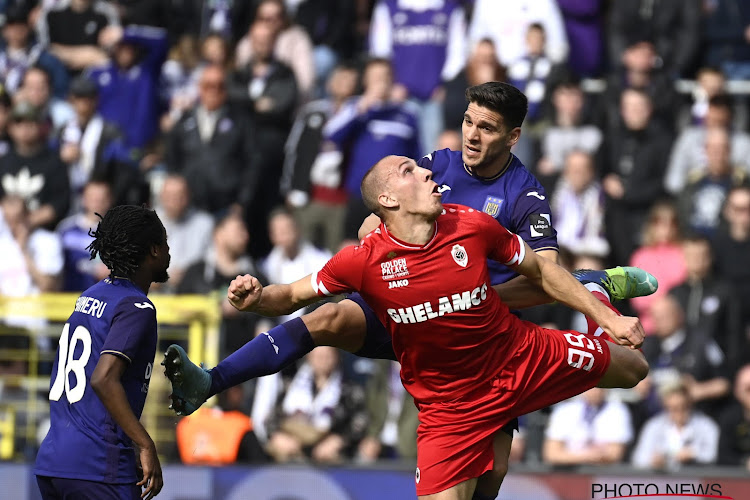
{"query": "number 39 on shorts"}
pixel 577 357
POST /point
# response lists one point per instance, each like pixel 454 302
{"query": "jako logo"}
pixel 398 283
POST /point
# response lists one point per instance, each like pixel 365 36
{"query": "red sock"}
pixel 593 328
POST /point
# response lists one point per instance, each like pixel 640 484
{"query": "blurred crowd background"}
pixel 248 125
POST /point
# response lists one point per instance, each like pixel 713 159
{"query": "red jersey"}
pixel 447 323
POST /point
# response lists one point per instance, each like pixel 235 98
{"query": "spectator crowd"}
pixel 248 125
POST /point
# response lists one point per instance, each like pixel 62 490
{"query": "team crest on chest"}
pixel 492 206
pixel 459 255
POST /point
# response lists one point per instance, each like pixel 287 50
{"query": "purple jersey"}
pixel 513 197
pixel 367 136
pixel 84 442
pixel 420 39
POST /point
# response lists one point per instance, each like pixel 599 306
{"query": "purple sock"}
pixel 266 354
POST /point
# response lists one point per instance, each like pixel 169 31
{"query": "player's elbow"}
pixel 100 381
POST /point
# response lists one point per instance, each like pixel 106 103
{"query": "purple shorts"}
pixel 57 488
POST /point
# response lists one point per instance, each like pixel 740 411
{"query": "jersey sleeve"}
pixel 531 220
pixel 342 273
pixel 133 322
pixel 426 161
pixel 503 246
pixel 434 160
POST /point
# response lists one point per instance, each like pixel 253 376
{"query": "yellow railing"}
pixel 7 432
pixel 191 320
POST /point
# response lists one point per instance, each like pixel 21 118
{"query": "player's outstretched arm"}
pixel 563 287
pixel 520 292
pixel 246 293
pixel 106 384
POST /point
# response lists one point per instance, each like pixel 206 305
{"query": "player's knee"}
pixel 636 369
pixel 491 481
pixel 499 471
pixel 335 316
pixel 322 322
pixel 340 325
pixel 641 367
pixel 627 368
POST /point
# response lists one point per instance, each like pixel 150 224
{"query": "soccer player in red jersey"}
pixel 484 175
pixel 470 364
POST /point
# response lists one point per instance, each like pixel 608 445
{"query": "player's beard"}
pixel 162 277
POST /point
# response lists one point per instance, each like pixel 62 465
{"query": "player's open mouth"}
pixel 436 192
pixel 470 151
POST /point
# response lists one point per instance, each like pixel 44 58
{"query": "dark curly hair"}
pixel 123 238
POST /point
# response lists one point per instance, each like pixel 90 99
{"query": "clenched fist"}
pixel 627 330
pixel 244 292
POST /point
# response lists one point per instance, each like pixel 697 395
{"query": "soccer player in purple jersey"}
pixel 484 175
pixel 101 375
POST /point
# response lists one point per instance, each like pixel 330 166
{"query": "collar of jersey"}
pixel 125 281
pixel 494 177
pixel 122 278
pixel 409 245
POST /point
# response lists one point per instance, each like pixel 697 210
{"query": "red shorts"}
pixel 454 439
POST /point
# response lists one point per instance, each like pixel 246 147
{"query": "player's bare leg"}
pixel 341 324
pixel 461 491
pixel 488 484
pixel 627 367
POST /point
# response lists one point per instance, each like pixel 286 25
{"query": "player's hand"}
pixel 244 292
pixel 152 480
pixel 627 330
